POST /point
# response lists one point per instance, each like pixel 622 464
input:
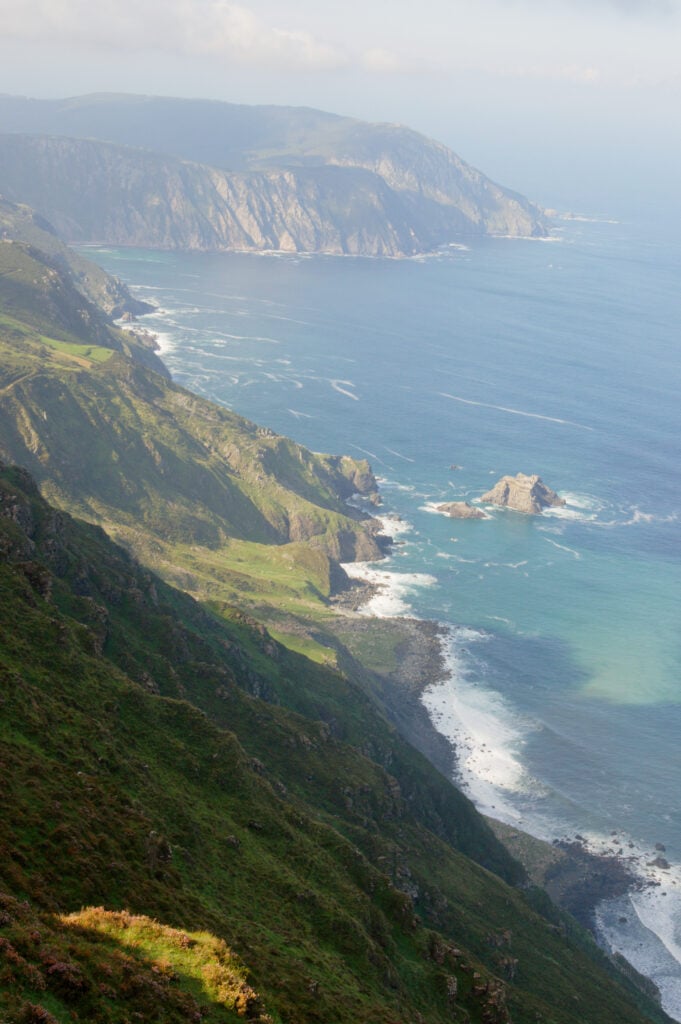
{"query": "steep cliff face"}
pixel 413 165
pixel 159 760
pixel 19 223
pixel 207 497
pixel 296 181
pixel 98 192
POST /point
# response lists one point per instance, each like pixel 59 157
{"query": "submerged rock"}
pixel 523 493
pixel 461 510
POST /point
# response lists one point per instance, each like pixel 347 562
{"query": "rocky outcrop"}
pixel 374 191
pixel 19 223
pixel 460 510
pixel 523 493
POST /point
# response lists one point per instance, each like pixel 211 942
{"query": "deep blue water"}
pixel 559 358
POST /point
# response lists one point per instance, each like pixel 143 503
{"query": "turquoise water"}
pixel 559 358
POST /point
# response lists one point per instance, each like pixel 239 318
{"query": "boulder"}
pixel 460 510
pixel 523 493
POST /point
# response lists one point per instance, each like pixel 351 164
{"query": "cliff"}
pixel 94 416
pixel 19 223
pixel 255 839
pixel 289 180
pixel 185 776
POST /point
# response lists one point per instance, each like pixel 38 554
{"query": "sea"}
pixel 558 357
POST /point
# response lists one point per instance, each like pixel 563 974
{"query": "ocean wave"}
pixel 406 458
pixel 581 219
pixel 433 508
pixel 506 565
pixel 633 516
pixel 514 412
pixel 488 735
pixel 165 342
pixel 336 385
pixel 394 589
pixel 486 732
pixel 393 485
pixel 564 547
pixel 393 526
pixel 644 926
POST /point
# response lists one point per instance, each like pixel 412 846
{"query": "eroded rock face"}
pixel 460 510
pixel 389 193
pixel 523 493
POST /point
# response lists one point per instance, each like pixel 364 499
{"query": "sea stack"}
pixel 523 493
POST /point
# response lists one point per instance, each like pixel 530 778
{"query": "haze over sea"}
pixel 552 357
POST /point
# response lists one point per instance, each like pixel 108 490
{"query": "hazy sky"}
pixel 550 96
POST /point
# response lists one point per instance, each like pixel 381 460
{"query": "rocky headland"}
pixel 194 175
pixel 523 493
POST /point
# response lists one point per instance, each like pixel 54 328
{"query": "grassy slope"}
pixel 20 223
pixel 331 872
pixel 196 491
pixel 117 691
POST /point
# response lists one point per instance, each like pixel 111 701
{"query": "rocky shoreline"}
pixel 576 877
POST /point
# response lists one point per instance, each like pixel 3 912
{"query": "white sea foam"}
pixel 372 455
pixel 581 219
pixel 394 589
pixel 514 412
pixel 635 517
pixel 165 342
pixel 487 734
pixel 505 565
pixel 406 458
pixel 645 927
pixel 565 512
pixel 393 526
pixel 562 547
pixel 433 508
pixel 336 385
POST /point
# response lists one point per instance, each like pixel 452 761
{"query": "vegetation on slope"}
pixel 195 490
pixel 319 868
pixel 191 174
pixel 20 223
pixel 163 762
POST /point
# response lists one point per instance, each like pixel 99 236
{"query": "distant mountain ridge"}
pixel 194 174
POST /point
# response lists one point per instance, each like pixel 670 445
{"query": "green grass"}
pixel 163 761
pixel 315 651
pixel 106 966
pixel 271 807
pixel 92 353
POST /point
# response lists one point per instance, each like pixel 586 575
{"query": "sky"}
pixel 569 101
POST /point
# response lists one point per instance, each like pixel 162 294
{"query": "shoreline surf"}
pixel 626 890
pixel 552 566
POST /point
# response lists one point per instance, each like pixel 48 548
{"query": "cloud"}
pixel 631 8
pixel 581 74
pixel 189 27
pixel 645 7
pixel 382 61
